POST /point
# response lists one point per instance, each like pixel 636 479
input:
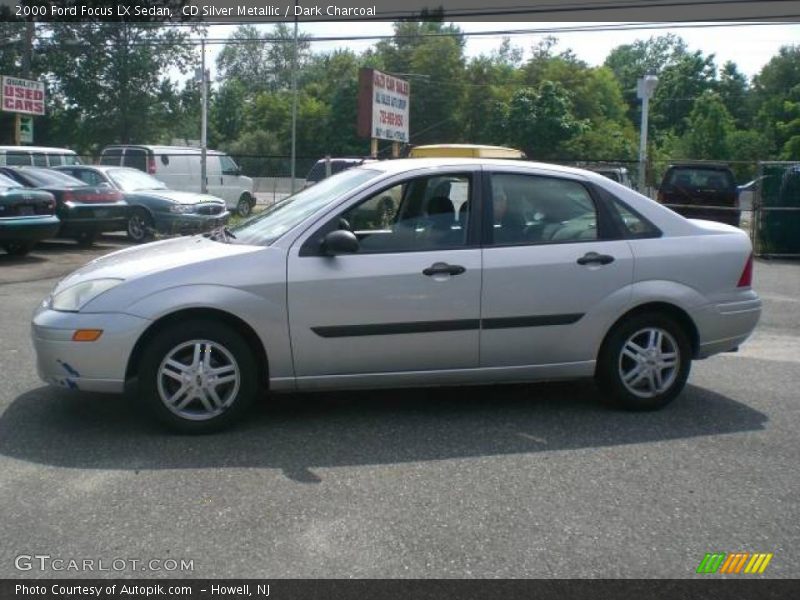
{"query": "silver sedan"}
pixel 408 273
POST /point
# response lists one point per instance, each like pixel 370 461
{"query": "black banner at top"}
pixel 237 11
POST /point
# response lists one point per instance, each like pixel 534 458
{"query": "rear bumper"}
pixel 95 218
pixel 723 327
pixel 28 229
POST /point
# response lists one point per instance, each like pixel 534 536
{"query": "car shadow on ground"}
pixel 296 433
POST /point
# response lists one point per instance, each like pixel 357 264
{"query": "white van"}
pixel 36 156
pixel 179 168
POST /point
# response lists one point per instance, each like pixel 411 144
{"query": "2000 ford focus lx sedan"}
pixel 408 273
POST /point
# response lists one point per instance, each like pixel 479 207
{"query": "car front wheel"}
pixel 644 362
pixel 245 206
pixel 140 226
pixel 198 377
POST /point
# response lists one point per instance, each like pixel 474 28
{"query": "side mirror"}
pixel 340 241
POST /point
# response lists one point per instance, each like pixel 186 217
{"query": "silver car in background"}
pixel 408 273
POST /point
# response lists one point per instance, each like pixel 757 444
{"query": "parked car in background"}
pixel 36 156
pixel 179 168
pixel 618 174
pixel 84 210
pixel 316 293
pixel 336 165
pixel 26 217
pixel 153 207
pixel 701 191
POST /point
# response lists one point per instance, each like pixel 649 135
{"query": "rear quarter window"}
pixel 111 157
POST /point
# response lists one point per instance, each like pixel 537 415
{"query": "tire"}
pixel 18 248
pixel 245 206
pixel 86 239
pixel 195 410
pixel 140 226
pixel 635 380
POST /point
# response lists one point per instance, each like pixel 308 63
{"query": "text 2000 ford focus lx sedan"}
pixel 408 273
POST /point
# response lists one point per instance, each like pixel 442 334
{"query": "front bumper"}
pixel 189 222
pixel 98 366
pixel 724 326
pixel 28 229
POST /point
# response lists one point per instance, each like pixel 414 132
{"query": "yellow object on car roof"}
pixel 464 151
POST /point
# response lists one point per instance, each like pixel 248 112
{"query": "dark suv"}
pixel 696 190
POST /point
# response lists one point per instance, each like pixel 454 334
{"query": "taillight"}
pixel 746 280
pixel 151 165
pixel 68 197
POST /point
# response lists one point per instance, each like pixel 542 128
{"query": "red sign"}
pixel 22 96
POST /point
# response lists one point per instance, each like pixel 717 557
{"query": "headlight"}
pixel 182 208
pixel 76 297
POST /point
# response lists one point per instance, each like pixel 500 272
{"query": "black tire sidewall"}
pixel 607 373
pixel 246 201
pixel 176 334
pixel 147 223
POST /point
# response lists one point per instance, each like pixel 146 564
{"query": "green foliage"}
pixel 708 129
pixel 541 122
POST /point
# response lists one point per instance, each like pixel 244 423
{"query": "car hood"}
pixel 179 197
pixel 138 261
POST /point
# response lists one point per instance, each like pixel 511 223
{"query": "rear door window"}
pixel 111 157
pixel 39 159
pixel 135 158
pixel 701 179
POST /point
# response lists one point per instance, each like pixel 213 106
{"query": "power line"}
pixel 718 23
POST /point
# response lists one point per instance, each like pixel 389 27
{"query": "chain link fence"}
pixel 762 198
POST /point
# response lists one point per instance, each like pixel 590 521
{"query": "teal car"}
pixel 154 208
pixel 26 217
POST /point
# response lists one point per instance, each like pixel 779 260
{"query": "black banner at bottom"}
pixel 404 589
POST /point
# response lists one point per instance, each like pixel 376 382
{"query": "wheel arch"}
pixel 236 323
pixel 665 308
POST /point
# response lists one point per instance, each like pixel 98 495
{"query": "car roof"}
pixel 410 164
pixel 37 149
pixel 170 149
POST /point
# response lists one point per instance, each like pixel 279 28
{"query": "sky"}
pixel 749 46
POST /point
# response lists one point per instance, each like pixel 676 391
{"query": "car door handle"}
pixel 593 258
pixel 441 268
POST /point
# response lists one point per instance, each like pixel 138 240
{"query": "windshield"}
pixel 45 177
pixel 130 180
pixel 273 222
pixel 7 182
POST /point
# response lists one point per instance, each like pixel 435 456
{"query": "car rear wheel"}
pixel 644 362
pixel 198 377
pixel 245 205
pixel 18 248
pixel 140 226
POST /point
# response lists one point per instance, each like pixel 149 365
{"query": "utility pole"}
pixel 645 88
pixel 294 100
pixel 203 78
pixel 27 59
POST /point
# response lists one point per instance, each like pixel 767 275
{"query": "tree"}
pixel 262 62
pixel 109 77
pixel 629 62
pixel 709 128
pixel 680 84
pixel 734 92
pixel 772 88
pixel 540 121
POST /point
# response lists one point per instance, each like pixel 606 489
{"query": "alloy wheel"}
pixel 649 362
pixel 198 380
